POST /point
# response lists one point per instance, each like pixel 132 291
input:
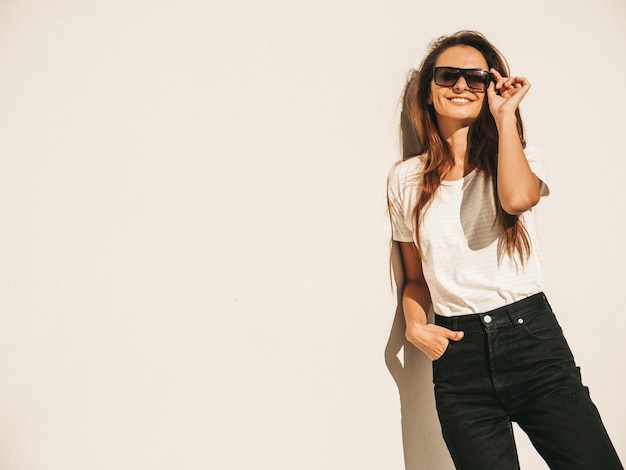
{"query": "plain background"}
pixel 194 245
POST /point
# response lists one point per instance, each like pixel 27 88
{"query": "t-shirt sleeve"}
pixel 398 203
pixel 537 165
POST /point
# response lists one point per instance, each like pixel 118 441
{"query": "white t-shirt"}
pixel 459 240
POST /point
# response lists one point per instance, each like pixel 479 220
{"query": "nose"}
pixel 461 84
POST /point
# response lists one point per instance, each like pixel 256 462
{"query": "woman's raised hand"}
pixel 505 94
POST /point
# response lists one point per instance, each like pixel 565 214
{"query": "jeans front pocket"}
pixel 540 324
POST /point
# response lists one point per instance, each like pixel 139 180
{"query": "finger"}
pixel 501 83
pixel 495 73
pixel 439 350
pixel 511 84
pixel 499 79
pixel 520 88
pixel 521 82
pixel 524 82
pixel 453 335
pixel 491 91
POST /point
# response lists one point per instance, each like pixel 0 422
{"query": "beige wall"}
pixel 194 252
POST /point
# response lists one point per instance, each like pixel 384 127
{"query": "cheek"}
pixel 436 106
pixel 438 103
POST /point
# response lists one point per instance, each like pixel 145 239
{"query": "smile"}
pixel 460 100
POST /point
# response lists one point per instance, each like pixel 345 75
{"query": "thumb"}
pixel 455 335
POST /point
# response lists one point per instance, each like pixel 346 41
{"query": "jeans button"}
pixel 487 319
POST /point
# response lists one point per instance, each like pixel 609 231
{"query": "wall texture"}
pixel 194 252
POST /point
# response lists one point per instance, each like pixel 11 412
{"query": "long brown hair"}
pixel 420 131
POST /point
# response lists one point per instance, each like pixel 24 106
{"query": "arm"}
pixel 431 339
pixel 518 186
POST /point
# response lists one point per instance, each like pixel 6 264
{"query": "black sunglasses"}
pixel 476 79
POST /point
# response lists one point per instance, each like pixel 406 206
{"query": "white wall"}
pixel 194 249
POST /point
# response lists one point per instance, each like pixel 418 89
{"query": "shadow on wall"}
pixel 424 448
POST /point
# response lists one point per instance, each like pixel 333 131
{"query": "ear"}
pixel 430 98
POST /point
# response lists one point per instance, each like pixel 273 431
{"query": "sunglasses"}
pixel 476 79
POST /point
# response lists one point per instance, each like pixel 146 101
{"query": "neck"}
pixel 458 145
pixel 456 137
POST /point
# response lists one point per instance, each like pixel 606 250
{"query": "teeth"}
pixel 460 100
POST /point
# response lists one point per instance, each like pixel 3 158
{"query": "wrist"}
pixel 416 328
pixel 414 318
pixel 506 120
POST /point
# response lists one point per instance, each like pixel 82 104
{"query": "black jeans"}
pixel 514 364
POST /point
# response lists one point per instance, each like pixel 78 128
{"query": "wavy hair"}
pixel 420 133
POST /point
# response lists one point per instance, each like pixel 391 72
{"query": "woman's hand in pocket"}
pixel 431 339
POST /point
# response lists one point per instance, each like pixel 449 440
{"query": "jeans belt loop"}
pixel 514 321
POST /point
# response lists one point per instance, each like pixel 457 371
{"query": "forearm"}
pixel 518 187
pixel 416 302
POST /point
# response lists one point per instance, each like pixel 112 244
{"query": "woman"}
pixel 462 212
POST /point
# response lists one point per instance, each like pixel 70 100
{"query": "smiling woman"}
pixel 462 212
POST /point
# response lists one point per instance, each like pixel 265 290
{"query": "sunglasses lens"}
pixel 477 79
pixel 445 76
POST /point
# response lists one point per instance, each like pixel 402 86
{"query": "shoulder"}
pixel 402 185
pixel 405 172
